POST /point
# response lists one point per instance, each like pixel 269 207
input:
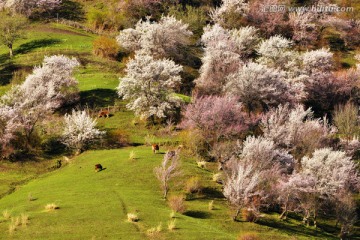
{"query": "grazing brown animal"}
pixel 104 113
pixel 155 148
pixel 98 168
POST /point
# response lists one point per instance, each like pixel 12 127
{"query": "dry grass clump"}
pixel 24 219
pixel 51 207
pixel 155 231
pixel 132 217
pixel 132 155
pixel 173 214
pixel 6 214
pixel 193 185
pixel 218 177
pixel 211 205
pixel 202 164
pixel 172 224
pixel 177 203
pixel 248 236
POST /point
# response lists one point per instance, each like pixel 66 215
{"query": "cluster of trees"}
pixel 151 77
pixel 26 107
pixel 31 8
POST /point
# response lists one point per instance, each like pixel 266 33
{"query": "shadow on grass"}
pixel 293 230
pixel 29 46
pixel 197 214
pixel 6 73
pixel 98 98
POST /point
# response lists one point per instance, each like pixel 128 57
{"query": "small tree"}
pixel 169 169
pixel 346 119
pixel 79 130
pixel 11 29
pixel 106 47
pixel 149 86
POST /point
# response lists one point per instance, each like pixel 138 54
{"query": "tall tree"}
pixel 11 29
pixel 149 85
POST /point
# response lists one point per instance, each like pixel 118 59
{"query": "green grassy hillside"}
pixel 94 205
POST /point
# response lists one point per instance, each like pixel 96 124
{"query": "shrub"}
pixel 117 138
pixel 24 219
pixel 249 215
pixel 201 164
pixel 211 205
pixel 248 236
pixel 132 217
pixel 12 228
pixel 106 47
pixel 172 225
pixel 155 231
pixel 177 203
pixel 6 214
pixel 132 155
pixel 193 185
pixel 51 207
pixel 218 177
pixel 16 221
pixel 172 214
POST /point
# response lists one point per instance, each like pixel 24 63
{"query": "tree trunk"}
pixel 236 214
pixel 11 50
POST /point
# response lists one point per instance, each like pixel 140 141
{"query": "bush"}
pixel 51 207
pixel 193 185
pixel 201 164
pixel 177 203
pixel 24 219
pixel 172 225
pixel 218 178
pixel 132 217
pixel 106 47
pixel 6 214
pixel 211 205
pixel 249 215
pixel 248 236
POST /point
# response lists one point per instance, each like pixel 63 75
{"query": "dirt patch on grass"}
pixel 50 29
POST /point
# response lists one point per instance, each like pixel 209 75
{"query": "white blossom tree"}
pixel 79 130
pixel 260 87
pixel 149 86
pixel 332 171
pixel 169 168
pixel 30 7
pixel 295 129
pixel 228 9
pixel 241 186
pixel 46 89
pixel 159 39
pixel 225 51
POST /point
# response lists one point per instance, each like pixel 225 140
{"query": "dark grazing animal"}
pixel 155 148
pixel 98 168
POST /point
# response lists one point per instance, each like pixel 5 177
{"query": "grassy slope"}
pixel 95 204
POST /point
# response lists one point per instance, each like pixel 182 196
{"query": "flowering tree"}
pixel 46 89
pixel 259 87
pixel 241 186
pixel 31 7
pixel 269 22
pixel 79 130
pixel 295 130
pixel 229 12
pixel 162 39
pixel 331 171
pixel 216 118
pixel 253 172
pixel 149 85
pixel 169 169
pixel 225 51
pixel 304 28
